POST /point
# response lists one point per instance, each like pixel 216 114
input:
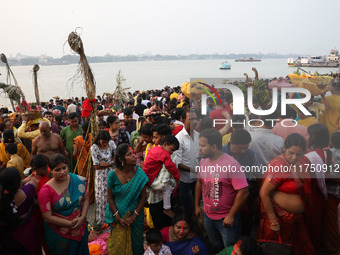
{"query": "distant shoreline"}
pixel 21 60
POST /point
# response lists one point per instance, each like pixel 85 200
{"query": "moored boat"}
pixel 316 61
pixel 225 66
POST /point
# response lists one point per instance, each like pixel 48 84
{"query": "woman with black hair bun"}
pixel 19 232
pixel 40 171
pixel 125 209
pixel 285 197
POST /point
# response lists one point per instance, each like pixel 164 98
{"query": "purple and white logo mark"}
pixel 239 100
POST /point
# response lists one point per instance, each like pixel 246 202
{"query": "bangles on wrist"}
pixel 115 214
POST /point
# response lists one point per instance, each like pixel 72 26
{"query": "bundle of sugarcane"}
pixel 16 93
pixel 256 73
pixel 76 45
pixel 35 77
pixel 259 88
pixel 249 82
pixel 247 78
pixel 11 91
pixel 120 92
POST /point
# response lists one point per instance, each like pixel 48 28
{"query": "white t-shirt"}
pixel 135 116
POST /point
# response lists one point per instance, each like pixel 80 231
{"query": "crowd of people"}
pixel 166 179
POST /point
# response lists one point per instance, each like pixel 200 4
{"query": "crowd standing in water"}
pixel 154 178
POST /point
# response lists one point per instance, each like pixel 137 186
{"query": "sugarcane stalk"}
pixel 36 89
pixel 76 45
pixel 247 78
pixel 256 73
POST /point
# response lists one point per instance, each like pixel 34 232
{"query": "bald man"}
pixel 47 143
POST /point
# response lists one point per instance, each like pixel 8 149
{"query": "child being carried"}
pixel 162 171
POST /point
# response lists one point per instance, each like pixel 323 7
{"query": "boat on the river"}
pixel 316 61
pixel 225 66
pixel 248 60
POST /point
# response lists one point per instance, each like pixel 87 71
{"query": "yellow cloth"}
pixel 18 163
pixel 22 153
pixel 226 139
pixel 307 121
pixel 331 117
pixel 119 241
pixel 37 121
pixel 148 147
pixel 180 105
pixel 185 88
pixel 149 220
pixel 12 115
pixel 174 95
pixel 27 135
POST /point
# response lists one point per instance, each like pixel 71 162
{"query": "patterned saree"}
pixel 62 240
pixel 126 241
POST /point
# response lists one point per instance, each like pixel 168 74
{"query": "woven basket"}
pixel 104 113
pixel 34 114
pixel 317 85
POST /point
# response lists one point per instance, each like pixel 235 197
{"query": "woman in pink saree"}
pixel 64 203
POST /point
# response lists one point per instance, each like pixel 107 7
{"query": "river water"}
pixel 63 81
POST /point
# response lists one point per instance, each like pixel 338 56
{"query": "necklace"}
pixel 127 176
pixel 66 193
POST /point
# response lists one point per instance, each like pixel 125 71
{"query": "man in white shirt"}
pixel 186 159
pixel 71 107
pixel 131 105
pixel 145 101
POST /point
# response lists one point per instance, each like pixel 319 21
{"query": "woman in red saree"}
pixel 316 163
pixel 284 197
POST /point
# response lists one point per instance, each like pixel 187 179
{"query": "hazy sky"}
pixel 35 27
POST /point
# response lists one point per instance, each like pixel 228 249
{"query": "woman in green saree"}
pixel 126 198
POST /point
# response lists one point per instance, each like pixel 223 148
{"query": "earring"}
pixel 122 163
